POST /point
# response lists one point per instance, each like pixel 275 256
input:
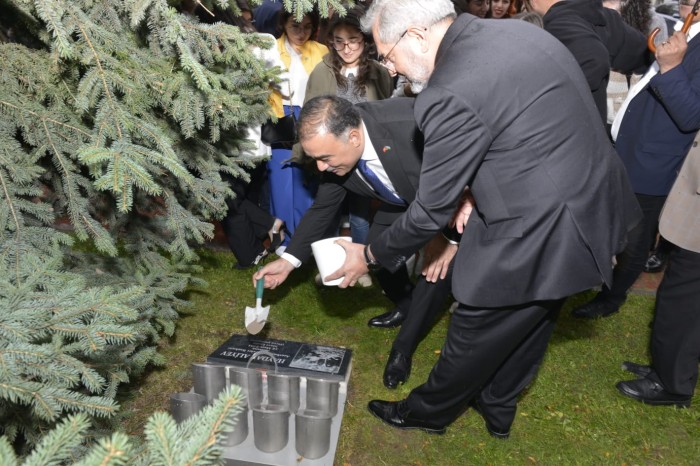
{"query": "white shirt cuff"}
pixel 291 259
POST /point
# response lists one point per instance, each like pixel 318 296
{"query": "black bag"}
pixel 281 133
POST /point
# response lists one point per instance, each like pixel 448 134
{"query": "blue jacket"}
pixel 660 124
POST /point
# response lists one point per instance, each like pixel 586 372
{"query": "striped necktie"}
pixel 376 184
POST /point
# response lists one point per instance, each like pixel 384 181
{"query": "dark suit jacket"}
pixel 659 125
pixel 398 143
pixel 599 40
pixel 515 121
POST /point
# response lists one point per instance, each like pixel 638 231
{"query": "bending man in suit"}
pixel 553 204
pixel 340 137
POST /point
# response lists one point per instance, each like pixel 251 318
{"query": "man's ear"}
pixel 422 35
pixel 355 137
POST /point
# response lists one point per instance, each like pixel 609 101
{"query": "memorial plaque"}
pixel 294 358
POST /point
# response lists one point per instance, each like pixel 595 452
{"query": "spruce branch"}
pixel 43 119
pixel 59 443
pixel 98 63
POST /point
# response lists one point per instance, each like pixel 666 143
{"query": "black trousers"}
pixel 246 223
pixel 490 355
pixel 675 337
pixel 630 263
pixel 426 303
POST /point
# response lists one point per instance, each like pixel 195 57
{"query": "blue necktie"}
pixel 376 184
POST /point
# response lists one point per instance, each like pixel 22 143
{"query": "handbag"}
pixel 282 132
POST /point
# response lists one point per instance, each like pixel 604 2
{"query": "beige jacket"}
pixel 680 218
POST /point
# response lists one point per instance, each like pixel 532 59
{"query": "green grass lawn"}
pixel 572 414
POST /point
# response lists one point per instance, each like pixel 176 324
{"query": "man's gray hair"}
pixel 393 17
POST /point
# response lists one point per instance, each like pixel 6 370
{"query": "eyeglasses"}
pixel 384 59
pixel 352 43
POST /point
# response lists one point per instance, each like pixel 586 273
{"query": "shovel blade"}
pixel 255 319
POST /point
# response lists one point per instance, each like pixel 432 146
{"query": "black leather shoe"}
pixel 501 435
pixel 493 432
pixel 637 369
pixel 390 319
pixel 652 393
pixel 397 369
pixel 655 263
pixel 389 412
pixel 594 309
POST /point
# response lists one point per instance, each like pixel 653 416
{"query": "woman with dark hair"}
pixel 499 9
pixel 347 70
pixel 290 191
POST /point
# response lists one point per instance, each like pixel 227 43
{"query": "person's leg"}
pixel 498 399
pixel 281 182
pixel 304 186
pixel 240 232
pixel 397 287
pixel 630 262
pixel 675 338
pixel 479 342
pixel 427 302
pixel 303 193
pixel 359 217
pixel 255 211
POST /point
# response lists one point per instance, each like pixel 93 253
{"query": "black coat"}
pixel 600 41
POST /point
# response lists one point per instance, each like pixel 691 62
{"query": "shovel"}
pixel 255 317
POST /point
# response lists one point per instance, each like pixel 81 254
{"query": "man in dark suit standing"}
pixel 344 140
pixel 671 378
pixel 552 201
pixel 653 131
pixel 599 40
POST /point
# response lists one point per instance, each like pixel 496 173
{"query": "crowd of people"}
pixel 519 181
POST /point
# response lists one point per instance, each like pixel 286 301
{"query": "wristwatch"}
pixel 371 263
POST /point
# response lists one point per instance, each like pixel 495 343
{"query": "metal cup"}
pixel 270 428
pixel 313 433
pixel 283 390
pixel 241 377
pixel 240 430
pixel 322 395
pixel 186 404
pixel 209 380
pixel 256 388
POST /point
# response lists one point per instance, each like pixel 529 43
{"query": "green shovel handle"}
pixel 259 287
